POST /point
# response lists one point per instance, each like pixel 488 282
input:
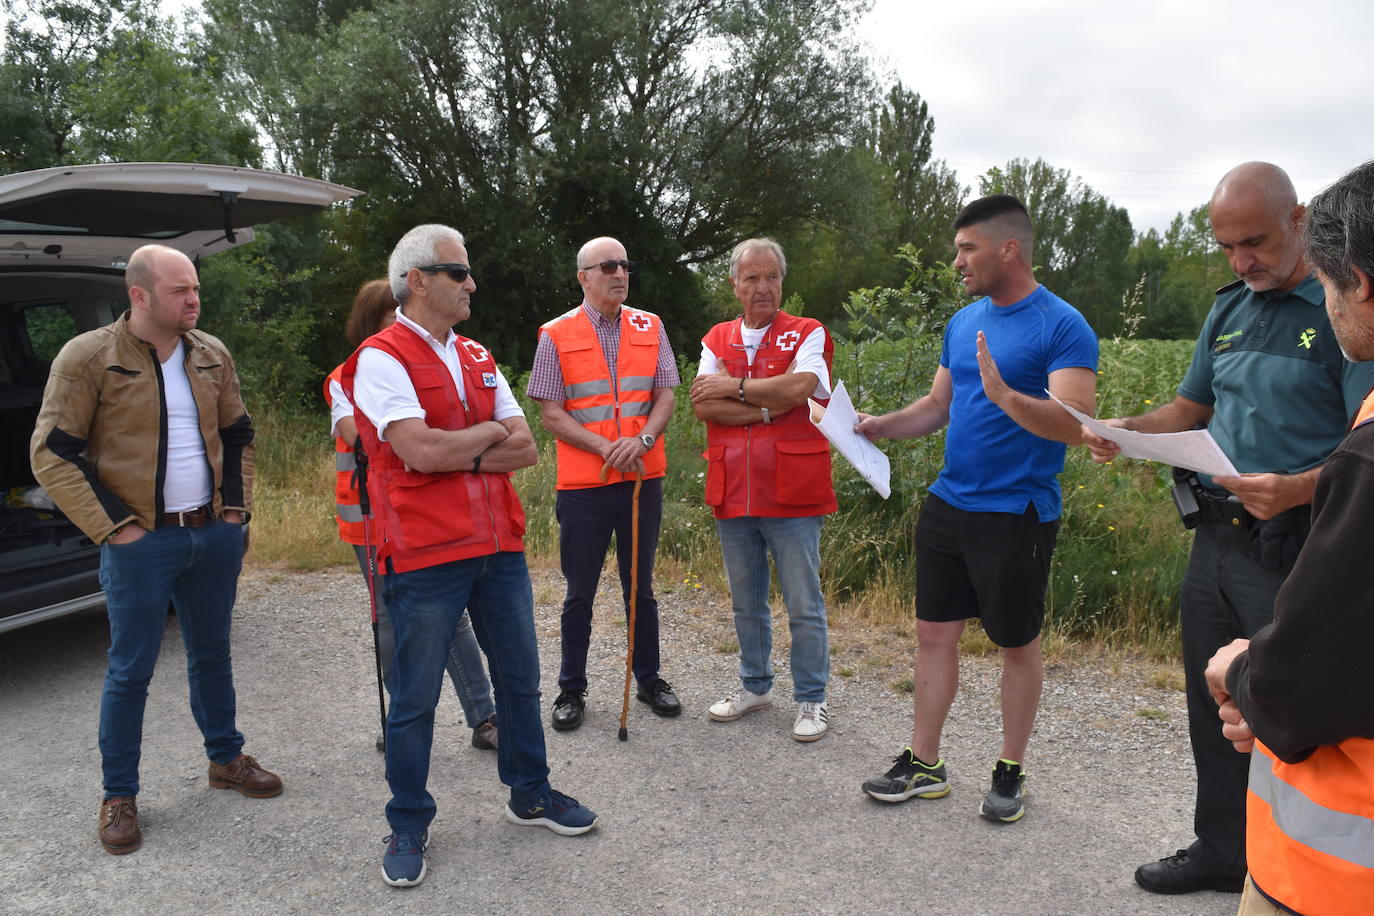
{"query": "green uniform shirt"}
pixel 1268 365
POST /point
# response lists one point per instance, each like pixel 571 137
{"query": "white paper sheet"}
pixel 1195 449
pixel 837 422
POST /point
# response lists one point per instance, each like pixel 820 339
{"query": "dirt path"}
pixel 697 816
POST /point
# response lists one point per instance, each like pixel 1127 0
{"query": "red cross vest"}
pixel 610 408
pixel 429 519
pixel 347 511
pixel 1309 836
pixel 779 469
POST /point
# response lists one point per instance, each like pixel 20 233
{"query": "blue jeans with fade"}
pixel 425 605
pixel 795 544
pixel 196 570
pixel 464 663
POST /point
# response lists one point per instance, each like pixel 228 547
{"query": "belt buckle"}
pixel 192 514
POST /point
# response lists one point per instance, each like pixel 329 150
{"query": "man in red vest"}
pixel 443 433
pixel 604 376
pixel 1297 696
pixel 768 480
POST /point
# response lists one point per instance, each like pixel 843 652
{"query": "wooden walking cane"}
pixel 634 599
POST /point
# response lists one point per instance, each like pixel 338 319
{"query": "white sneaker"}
pixel 813 721
pixel 738 703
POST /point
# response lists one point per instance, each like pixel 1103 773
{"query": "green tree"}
pixel 1081 238
pixel 677 125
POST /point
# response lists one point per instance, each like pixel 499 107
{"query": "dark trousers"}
pixel 1226 596
pixel 586 520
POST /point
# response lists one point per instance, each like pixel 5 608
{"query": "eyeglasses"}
pixel 459 272
pixel 609 267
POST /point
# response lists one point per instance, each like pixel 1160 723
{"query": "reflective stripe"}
pixel 349 513
pixel 587 389
pixel 1336 833
pixel 593 414
pixel 637 383
pixel 345 461
pixel 636 409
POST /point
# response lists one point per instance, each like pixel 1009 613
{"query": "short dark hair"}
pixel 990 207
pixel 1338 234
pixel 371 303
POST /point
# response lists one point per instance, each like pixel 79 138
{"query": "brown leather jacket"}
pixel 100 444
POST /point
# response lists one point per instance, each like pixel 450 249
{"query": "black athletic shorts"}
pixel 989 565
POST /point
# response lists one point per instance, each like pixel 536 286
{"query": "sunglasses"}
pixel 459 272
pixel 609 267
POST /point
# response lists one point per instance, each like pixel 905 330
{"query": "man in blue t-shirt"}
pixel 987 530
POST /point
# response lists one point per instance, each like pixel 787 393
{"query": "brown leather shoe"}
pixel 244 774
pixel 484 736
pixel 119 831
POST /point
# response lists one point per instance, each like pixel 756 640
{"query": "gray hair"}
pixel 416 249
pixel 1339 232
pixel 762 243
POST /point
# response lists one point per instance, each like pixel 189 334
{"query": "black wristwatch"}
pixel 647 440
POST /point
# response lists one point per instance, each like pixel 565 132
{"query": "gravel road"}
pixel 696 816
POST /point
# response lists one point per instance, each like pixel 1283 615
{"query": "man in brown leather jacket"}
pixel 144 443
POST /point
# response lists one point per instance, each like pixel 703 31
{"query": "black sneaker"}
pixel 1003 801
pixel 909 777
pixel 568 710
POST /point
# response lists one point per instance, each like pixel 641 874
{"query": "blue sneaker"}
pixel 556 811
pixel 404 862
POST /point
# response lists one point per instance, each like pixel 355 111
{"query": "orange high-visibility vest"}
pixel 610 408
pixel 429 519
pixel 1309 837
pixel 1309 834
pixel 347 511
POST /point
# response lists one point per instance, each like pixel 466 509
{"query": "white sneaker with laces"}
pixel 813 721
pixel 739 703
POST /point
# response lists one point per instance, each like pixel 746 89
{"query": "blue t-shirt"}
pixel 991 463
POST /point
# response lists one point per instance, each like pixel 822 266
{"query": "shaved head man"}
pixel 1269 381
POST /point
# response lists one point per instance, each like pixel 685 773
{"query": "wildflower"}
pixel 1080 486
pixel 1113 572
pixel 1100 506
pixel 1148 401
pixel 1111 527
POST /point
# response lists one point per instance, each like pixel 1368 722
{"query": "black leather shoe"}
pixel 484 734
pixel 1180 873
pixel 568 710
pixel 658 693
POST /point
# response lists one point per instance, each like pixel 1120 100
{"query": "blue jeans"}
pixel 795 544
pixel 464 656
pixel 425 605
pixel 196 570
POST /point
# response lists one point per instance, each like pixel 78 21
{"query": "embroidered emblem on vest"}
pixel 788 340
pixel 1306 337
pixel 638 319
pixel 478 352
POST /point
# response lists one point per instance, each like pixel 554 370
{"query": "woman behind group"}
pixel 374 309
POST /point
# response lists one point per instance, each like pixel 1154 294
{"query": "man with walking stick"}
pixel 604 376
pixel 442 433
pixel 768 480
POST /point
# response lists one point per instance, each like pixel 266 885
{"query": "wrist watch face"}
pixel 648 440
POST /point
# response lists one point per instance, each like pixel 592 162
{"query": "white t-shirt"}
pixel 188 483
pixel 810 356
pixel 385 393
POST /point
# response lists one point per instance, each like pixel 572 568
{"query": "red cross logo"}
pixel 788 340
pixel 476 351
pixel 639 320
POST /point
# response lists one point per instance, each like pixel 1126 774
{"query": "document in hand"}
pixel 1195 449
pixel 837 422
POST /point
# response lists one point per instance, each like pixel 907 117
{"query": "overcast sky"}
pixel 1149 102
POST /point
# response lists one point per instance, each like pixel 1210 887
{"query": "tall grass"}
pixel 1116 569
